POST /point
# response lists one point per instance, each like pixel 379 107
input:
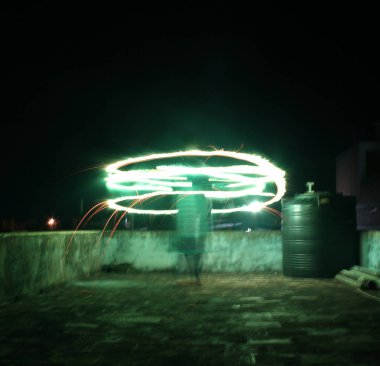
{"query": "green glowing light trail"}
pixel 232 181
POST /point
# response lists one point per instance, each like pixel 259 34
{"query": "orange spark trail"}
pixel 241 146
pixel 276 212
pixel 80 223
pixel 94 213
pixel 105 226
pixel 115 227
pixel 102 166
pixel 173 205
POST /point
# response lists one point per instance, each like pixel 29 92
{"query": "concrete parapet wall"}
pixel 144 250
pixel 234 251
pixel 226 251
pixel 30 262
pixel 370 249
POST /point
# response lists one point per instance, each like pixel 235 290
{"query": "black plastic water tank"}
pixel 319 234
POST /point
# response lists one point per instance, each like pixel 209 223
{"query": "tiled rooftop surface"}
pixel 232 319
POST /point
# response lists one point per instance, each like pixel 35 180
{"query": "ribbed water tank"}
pixel 319 234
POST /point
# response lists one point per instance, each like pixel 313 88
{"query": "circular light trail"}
pixel 249 180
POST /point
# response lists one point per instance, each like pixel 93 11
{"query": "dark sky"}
pixel 85 86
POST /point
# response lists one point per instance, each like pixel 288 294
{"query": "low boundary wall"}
pixel 370 249
pixel 30 262
pixel 225 251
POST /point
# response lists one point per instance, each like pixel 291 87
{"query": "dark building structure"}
pixel 358 175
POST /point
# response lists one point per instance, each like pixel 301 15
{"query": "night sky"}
pixel 85 86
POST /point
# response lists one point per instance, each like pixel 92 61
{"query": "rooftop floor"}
pixel 149 319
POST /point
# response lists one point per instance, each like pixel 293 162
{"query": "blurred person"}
pixel 193 223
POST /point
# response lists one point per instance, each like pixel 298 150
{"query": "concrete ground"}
pixel 232 319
